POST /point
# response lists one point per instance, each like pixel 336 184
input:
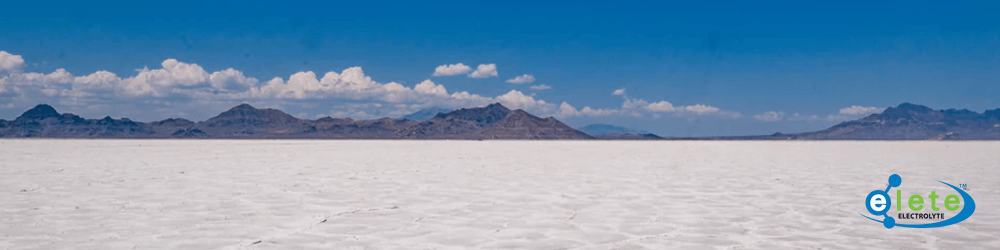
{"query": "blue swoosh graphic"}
pixel 968 208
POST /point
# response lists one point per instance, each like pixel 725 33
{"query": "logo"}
pixel 879 203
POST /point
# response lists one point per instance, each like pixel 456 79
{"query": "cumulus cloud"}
pixel 815 118
pixel 231 80
pixel 567 110
pixel 843 114
pixel 452 69
pixel 526 78
pixel 516 99
pixel 664 106
pixel 661 106
pixel 540 87
pixel 428 87
pixel 187 90
pixel 179 83
pixel 351 83
pixel 10 62
pixel 484 71
pixel 161 82
pixel 769 116
pixel 700 109
pixel 860 110
pixel 638 107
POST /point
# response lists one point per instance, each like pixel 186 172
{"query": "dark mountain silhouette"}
pixel 612 132
pixel 904 122
pixel 995 114
pixel 617 136
pixel 603 129
pixel 189 133
pixel 491 122
pixel 245 121
pixel 41 111
pixel 915 122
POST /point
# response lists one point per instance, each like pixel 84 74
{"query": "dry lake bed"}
pixel 318 194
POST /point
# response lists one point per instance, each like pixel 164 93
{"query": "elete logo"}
pixel 879 202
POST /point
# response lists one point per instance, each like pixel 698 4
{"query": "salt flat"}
pixel 266 194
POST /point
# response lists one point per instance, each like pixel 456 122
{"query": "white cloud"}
pixel 10 62
pixel 860 110
pixel 484 71
pixel 188 90
pixel 100 80
pixel 231 80
pixel 639 107
pixel 661 106
pixel 664 106
pixel 517 100
pixel 816 118
pixel 843 114
pixel 567 110
pixel 451 70
pixel 526 78
pixel 428 87
pixel 540 87
pixel 635 105
pixel 350 84
pixel 700 109
pixel 770 116
pixel 161 82
pixel 597 112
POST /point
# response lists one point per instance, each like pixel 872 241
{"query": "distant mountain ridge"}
pixel 612 132
pixel 904 122
pixel 915 122
pixel 244 121
pixel 491 122
pixel 603 129
pixel 427 113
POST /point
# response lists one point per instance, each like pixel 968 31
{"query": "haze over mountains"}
pixel 427 113
pixel 904 122
pixel 912 122
pixel 612 132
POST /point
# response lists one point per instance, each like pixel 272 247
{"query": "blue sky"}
pixel 683 68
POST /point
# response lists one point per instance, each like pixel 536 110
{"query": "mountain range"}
pixel 244 121
pixel 612 132
pixel 427 113
pixel 904 122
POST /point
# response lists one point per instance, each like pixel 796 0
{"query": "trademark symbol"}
pixel 963 186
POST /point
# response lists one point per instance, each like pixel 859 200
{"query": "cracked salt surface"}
pixel 263 194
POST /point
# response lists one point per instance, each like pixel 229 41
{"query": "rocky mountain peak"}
pixel 905 111
pixel 243 106
pixel 245 115
pixel 41 111
pixel 484 115
pixel 913 107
